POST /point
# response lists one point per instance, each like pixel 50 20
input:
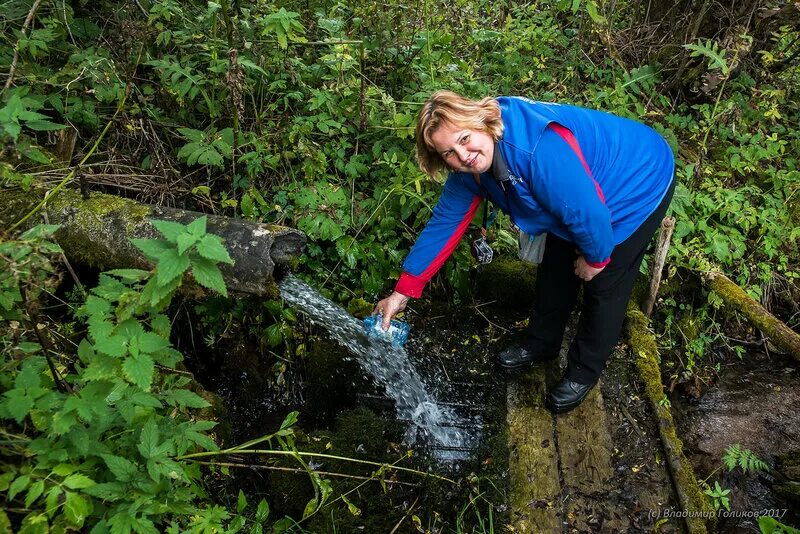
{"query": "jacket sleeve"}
pixel 563 186
pixel 450 219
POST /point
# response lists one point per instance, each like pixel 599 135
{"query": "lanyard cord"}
pixel 486 221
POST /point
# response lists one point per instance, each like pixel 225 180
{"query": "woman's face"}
pixel 463 149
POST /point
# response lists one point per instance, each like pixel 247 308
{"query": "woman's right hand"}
pixel 391 306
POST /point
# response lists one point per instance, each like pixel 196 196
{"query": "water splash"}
pixel 431 423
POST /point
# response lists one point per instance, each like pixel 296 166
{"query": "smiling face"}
pixel 463 149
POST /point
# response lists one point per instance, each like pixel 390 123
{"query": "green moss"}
pixel 90 217
pixel 736 298
pixel 510 282
pixel 359 307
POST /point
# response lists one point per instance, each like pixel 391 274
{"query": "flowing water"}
pixel 431 423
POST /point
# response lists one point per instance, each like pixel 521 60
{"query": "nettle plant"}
pixel 92 441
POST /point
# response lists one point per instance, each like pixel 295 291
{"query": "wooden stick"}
pixel 667 226
pixel 25 25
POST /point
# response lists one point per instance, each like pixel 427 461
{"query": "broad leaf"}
pixel 122 468
pixel 211 248
pixel 171 265
pixel 148 440
pixel 184 397
pixel 152 248
pixel 139 370
pixel 208 275
pixel 171 230
pixel 78 481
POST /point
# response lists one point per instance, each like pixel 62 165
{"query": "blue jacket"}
pixel 586 176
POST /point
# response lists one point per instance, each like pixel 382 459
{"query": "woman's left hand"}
pixel 584 271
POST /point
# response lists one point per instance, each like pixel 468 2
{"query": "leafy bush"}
pixel 97 436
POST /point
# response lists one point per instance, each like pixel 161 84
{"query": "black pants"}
pixel 605 299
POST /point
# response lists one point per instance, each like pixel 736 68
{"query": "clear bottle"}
pixel 397 333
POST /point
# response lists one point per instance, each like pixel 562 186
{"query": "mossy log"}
pixel 96 231
pixel 701 516
pixel 736 298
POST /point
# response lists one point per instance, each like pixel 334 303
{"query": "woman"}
pixel 597 184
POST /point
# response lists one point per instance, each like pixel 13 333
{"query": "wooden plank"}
pixel 585 445
pixel 533 461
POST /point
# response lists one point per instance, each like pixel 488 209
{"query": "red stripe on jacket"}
pixel 569 137
pixel 411 285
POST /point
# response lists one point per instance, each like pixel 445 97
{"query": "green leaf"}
pixel 171 230
pixel 354 510
pixel 211 248
pixel 274 335
pixel 44 126
pixel 30 375
pixel 40 231
pixel 207 274
pixel 151 342
pixel 122 468
pixel 161 325
pixel 18 404
pixel 185 242
pixel 241 502
pixel 78 481
pixel 192 135
pixel 108 491
pixel 263 511
pixel 139 370
pixel 184 397
pixel 17 486
pixel 76 508
pixel 34 492
pixel 114 345
pixel 152 248
pixel 171 265
pixel 148 440
pixel 198 226
pixel 96 306
pixel 290 420
pixel 63 470
pixel 51 501
pixel 129 275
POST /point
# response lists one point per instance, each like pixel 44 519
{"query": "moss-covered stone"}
pixel 645 352
pixel 510 282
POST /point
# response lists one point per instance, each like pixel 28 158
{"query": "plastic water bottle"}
pixel 397 333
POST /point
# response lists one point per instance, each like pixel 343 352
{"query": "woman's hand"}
pixel 584 271
pixel 391 306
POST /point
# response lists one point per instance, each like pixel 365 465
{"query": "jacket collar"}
pixel 499 168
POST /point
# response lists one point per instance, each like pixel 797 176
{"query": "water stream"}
pixel 431 423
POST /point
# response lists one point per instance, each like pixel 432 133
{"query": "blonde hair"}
pixel 447 106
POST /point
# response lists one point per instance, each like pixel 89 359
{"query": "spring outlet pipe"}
pixel 96 231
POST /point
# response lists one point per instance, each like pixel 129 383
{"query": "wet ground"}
pixel 754 403
pixel 597 469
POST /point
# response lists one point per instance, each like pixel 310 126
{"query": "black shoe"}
pixel 517 358
pixel 566 396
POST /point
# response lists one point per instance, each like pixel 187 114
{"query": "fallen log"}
pixel 97 230
pixel 700 517
pixel 737 299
